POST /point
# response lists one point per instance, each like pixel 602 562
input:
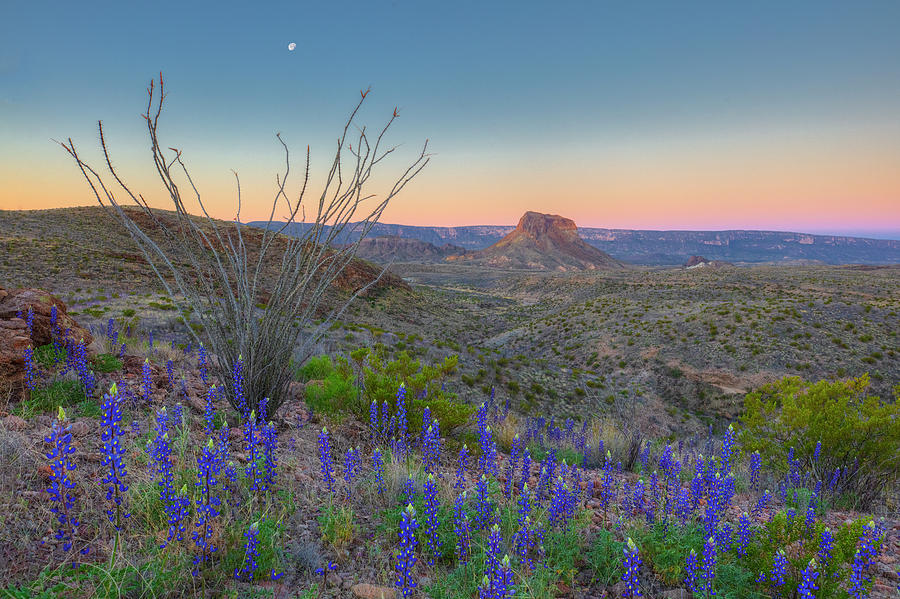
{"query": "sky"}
pixel 640 115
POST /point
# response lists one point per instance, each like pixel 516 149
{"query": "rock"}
pixel 14 423
pixel 364 590
pixel 81 428
pixel 13 301
pixel 13 341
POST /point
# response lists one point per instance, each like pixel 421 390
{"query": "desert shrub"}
pixel 424 388
pixel 334 395
pixel 317 367
pixel 858 432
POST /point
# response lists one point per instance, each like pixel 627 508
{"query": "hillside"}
pixel 401 249
pixel 71 247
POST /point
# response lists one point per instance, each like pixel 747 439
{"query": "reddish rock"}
pixel 14 301
pixel 14 330
pixel 13 341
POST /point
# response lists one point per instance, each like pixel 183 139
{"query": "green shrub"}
pixel 859 433
pixel 382 378
pixel 316 368
pixel 333 396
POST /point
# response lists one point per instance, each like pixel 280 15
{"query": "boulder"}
pixel 17 301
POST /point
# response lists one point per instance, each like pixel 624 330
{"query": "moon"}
pixel 292 46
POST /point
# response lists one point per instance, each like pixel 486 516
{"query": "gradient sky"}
pixel 654 115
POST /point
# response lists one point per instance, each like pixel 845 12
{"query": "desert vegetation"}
pixel 192 407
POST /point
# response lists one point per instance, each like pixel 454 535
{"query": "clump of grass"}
pixel 50 398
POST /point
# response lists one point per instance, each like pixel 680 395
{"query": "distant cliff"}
pixel 672 247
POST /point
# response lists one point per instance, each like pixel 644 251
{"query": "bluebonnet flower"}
pixel 755 466
pixel 860 578
pixel 110 329
pixel 112 456
pixel 779 570
pixel 378 468
pixel 208 467
pixel 61 484
pixel 29 321
pixel 484 439
pixel 252 472
pixel 817 451
pixel 150 339
pixel 826 547
pixel 810 515
pixel 608 489
pixel 177 415
pixel 808 584
pixel 645 457
pixel 492 554
pixel 202 364
pixel 743 534
pixel 683 508
pixel 409 490
pixel 431 447
pixel 484 509
pixel 709 567
pixel 462 464
pixel 325 461
pixel 237 379
pixel 431 517
pixel 146 382
pixel 724 537
pixel 727 450
pixel 461 529
pixel 406 558
pixel 526 469
pixel 263 409
pixel 351 466
pixel 209 412
pixel 30 371
pixel 632 564
pixel 122 351
pixel 690 572
pixel 55 336
pixel 85 375
pixel 251 554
